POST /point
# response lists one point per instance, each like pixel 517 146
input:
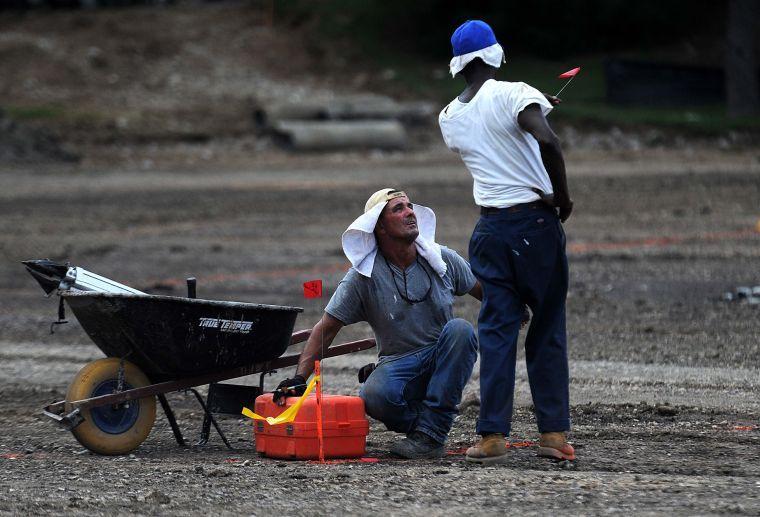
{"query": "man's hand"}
pixel 566 210
pixel 565 205
pixel 293 387
pixel 554 101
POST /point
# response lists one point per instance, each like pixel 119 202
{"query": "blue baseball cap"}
pixel 475 39
pixel 471 36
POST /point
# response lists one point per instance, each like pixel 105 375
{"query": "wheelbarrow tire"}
pixel 111 430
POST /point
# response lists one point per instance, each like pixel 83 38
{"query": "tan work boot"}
pixel 492 448
pixel 555 446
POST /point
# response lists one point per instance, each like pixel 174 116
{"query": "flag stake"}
pixel 313 289
pixel 320 439
pixel 565 86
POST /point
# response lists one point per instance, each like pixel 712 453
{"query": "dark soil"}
pixel 664 374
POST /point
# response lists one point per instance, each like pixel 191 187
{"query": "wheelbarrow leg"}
pixel 206 427
pixel 205 431
pixel 172 420
pixel 211 417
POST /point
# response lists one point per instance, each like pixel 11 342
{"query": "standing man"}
pixel 517 249
pixel 403 284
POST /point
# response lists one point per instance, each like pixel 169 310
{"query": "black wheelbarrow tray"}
pixel 160 344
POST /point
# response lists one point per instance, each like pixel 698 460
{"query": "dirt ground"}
pixel 173 182
pixel 665 375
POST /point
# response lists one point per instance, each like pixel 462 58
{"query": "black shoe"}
pixel 418 446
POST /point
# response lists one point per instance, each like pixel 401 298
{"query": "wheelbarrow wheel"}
pixel 113 429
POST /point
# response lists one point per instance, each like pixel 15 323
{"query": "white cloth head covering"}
pixel 493 56
pixel 360 245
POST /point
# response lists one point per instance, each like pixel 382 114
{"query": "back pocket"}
pixel 534 225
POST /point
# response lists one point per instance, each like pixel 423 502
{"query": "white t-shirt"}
pixel 504 160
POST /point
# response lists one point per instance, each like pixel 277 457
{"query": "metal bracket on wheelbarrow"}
pixel 68 422
pixel 226 399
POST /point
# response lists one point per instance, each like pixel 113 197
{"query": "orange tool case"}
pixel 344 428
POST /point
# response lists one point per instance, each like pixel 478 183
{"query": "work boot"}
pixel 417 446
pixel 555 446
pixel 492 448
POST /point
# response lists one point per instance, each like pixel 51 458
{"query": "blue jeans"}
pixel 420 390
pixel 519 258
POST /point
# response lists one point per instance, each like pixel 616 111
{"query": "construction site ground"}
pixel 665 375
pixel 173 180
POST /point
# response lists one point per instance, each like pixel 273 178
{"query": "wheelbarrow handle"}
pixel 300 336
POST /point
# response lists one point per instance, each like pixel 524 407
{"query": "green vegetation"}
pixel 583 100
pixel 542 27
pixel 704 120
pixel 406 45
pixel 47 112
pixel 52 113
pixel 434 80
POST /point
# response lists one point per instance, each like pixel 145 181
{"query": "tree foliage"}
pixel 546 28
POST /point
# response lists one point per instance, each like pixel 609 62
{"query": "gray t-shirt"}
pixel 400 326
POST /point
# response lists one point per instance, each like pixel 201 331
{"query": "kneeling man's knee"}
pixel 461 333
pixel 375 395
pixel 460 326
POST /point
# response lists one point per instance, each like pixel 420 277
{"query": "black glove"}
pixel 365 371
pixel 294 387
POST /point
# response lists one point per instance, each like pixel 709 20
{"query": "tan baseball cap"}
pixel 382 196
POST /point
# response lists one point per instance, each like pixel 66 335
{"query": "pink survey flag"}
pixel 570 73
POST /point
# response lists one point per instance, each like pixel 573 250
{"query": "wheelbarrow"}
pixel 156 345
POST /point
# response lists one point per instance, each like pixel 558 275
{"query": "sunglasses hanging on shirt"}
pixel 405 294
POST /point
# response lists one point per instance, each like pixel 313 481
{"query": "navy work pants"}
pixel 518 255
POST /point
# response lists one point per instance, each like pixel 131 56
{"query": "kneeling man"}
pixel 403 284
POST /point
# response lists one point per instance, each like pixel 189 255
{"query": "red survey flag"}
pixel 312 289
pixel 570 73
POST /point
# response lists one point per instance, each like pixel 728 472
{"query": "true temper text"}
pixel 231 326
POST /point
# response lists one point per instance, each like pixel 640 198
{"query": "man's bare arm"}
pixel 326 328
pixel 477 291
pixel 532 120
